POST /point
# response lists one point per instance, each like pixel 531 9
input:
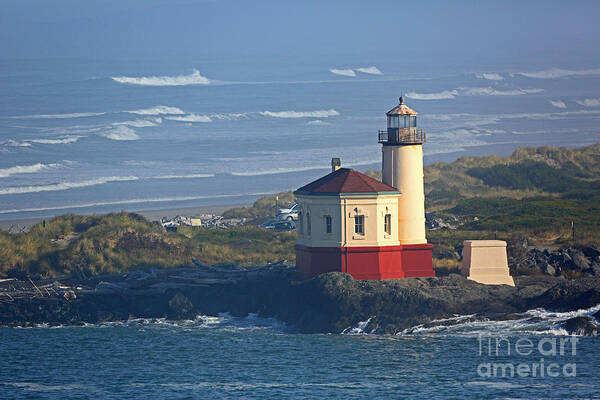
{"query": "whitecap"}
pixel 301 114
pixel 343 72
pixel 121 133
pixel 444 95
pixel 181 80
pixel 554 73
pixel 191 118
pixel 558 103
pixel 589 102
pixel 491 77
pixel 64 185
pixel 373 70
pixel 26 169
pixel 158 110
pixel 59 116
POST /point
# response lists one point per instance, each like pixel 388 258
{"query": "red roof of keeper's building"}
pixel 345 180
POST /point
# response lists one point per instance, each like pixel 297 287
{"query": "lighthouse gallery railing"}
pixel 402 135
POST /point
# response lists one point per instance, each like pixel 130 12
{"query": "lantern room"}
pixel 401 126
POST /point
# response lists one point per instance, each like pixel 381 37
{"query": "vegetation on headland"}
pixel 536 192
pixel 100 244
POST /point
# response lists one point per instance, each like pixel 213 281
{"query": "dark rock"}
pixel 582 326
pixel 595 269
pixel 180 307
pixel 548 269
pixel 580 261
pixel 590 251
pixel 597 315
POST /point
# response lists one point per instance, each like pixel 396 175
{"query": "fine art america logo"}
pixel 541 357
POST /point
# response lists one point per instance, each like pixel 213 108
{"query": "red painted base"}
pixel 374 263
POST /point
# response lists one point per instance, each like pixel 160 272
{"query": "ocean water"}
pixel 251 357
pixel 88 136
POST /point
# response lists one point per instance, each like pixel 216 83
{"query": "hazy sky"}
pixel 543 33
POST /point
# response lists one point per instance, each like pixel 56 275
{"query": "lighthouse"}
pixel 350 222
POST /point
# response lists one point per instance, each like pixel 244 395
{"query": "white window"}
pixel 308 224
pixel 300 224
pixel 387 224
pixel 328 224
pixel 359 224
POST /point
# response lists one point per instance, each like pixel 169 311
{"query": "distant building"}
pixel 352 223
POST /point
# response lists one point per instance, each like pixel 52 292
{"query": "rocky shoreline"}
pixel 329 303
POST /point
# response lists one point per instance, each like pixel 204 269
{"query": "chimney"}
pixel 335 164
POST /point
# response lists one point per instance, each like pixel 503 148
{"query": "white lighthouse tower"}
pixel 402 168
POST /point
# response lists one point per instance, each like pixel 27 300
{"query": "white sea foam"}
pixel 489 91
pixel 181 80
pixel 343 72
pixel 65 140
pixel 559 73
pixel 158 110
pixel 533 322
pixel 558 103
pixel 491 77
pixel 589 102
pixel 470 91
pixel 373 70
pixel 14 143
pixel 65 185
pixel 230 116
pixel 190 118
pixel 141 123
pixel 26 169
pixel 130 201
pixel 359 329
pixel 301 114
pixel 59 116
pixel 121 133
pixel 445 95
pixel 317 122
pixel 185 176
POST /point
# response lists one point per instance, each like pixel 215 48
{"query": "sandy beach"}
pixel 18 225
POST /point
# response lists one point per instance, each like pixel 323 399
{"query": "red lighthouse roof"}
pixel 401 109
pixel 347 181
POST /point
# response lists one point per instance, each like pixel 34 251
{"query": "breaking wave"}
pixel 370 70
pixel 158 110
pixel 533 322
pixel 558 103
pixel 317 122
pixel 181 80
pixel 121 133
pixel 301 114
pixel 343 72
pixel 491 77
pixel 59 116
pixel 132 201
pixel 445 95
pixel 589 102
pixel 469 91
pixel 554 73
pixel 191 118
pixel 26 169
pixel 65 140
pixel 141 123
pixel 65 185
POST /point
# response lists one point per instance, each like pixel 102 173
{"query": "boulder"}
pixel 548 269
pixel 580 261
pixel 595 269
pixel 180 307
pixel 582 326
pixel 590 251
